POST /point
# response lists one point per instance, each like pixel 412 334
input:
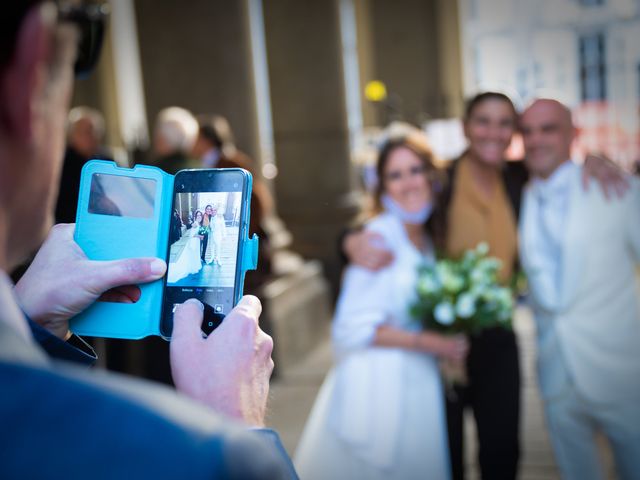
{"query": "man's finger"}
pixel 243 319
pixel 130 271
pixel 585 179
pixel 252 304
pixel 605 190
pixel 187 321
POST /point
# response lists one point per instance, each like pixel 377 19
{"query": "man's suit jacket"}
pixel 590 335
pixel 61 421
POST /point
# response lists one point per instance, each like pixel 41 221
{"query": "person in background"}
pixel 174 135
pixel 85 141
pixel 480 202
pixel 215 148
pixel 380 413
pixel 580 253
pixel 50 406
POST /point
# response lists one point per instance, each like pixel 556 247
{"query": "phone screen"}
pixel 202 255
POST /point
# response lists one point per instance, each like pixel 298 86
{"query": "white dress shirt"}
pixel 552 202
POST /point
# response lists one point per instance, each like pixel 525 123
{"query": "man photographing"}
pixel 60 421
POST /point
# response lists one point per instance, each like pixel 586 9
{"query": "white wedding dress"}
pixel 188 261
pixel 380 412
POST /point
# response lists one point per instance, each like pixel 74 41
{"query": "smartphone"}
pixel 209 219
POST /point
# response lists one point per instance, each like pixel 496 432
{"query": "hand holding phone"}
pixel 210 216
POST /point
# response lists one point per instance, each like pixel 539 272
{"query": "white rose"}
pixel 466 305
pixel 479 276
pixel 482 248
pixel 444 313
pixel 428 285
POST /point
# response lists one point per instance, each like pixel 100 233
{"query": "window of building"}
pixel 593 85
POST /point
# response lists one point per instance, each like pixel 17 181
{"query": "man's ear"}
pixel 26 75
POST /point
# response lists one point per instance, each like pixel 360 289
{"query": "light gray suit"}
pixel 589 329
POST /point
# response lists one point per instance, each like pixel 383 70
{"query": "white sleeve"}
pixel 362 307
pixel 633 220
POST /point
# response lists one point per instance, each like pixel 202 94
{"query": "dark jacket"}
pixel 59 421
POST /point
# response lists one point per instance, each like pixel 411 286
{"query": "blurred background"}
pixel 308 89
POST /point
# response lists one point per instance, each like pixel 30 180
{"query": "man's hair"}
pixel 476 100
pixel 94 116
pixel 13 13
pixel 178 128
pixel 216 129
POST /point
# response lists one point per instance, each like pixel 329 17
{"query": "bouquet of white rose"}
pixel 463 296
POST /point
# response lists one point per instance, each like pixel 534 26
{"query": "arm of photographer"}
pixel 228 371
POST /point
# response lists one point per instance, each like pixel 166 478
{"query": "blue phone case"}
pixel 109 237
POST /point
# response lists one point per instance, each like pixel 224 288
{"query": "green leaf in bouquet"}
pixel 428 284
pixel 453 283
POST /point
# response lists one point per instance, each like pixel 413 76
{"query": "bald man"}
pixel 580 252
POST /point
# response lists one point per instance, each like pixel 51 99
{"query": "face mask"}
pixel 412 218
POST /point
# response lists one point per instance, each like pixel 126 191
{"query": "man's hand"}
pixel 229 370
pixel 61 282
pixel 609 175
pixel 366 249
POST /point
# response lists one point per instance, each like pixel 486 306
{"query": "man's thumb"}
pixel 129 271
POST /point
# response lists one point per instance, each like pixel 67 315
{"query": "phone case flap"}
pixel 122 213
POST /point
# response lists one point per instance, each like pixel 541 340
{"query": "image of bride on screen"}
pixel 185 258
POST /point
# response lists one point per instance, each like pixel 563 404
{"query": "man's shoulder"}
pixel 81 421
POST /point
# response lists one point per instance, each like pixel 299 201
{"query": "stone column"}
pixel 416 53
pixel 197 55
pixel 450 58
pixel 310 125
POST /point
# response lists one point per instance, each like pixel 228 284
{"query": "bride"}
pixel 380 412
pixel 188 261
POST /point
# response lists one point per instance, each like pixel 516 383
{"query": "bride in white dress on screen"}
pixel 188 261
pixel 380 412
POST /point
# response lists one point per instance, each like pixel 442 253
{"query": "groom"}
pixel 580 253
